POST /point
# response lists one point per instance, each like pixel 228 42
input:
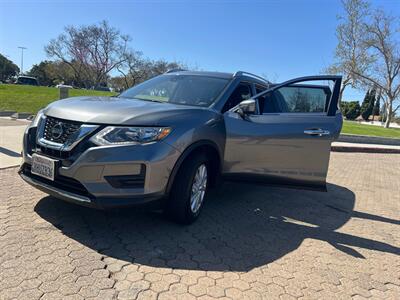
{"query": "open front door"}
pixel 288 141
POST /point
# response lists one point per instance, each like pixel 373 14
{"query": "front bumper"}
pixel 108 176
pixel 89 200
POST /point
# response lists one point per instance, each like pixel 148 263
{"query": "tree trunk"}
pixel 389 111
pixel 340 96
pixel 342 88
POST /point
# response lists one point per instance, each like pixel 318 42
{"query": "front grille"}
pixel 53 153
pixel 66 157
pixel 68 136
pixel 67 128
pixel 60 182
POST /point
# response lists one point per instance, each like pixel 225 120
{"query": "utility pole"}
pixel 22 59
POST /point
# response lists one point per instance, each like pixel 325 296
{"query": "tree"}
pixel 64 74
pixel 351 110
pixel 377 106
pixel 344 107
pixel 133 70
pixel 383 45
pixel 368 104
pixel 161 66
pixel 137 69
pixel 92 52
pixel 350 51
pixel 365 104
pixel 368 52
pixel 51 73
pixel 7 68
pixel 44 72
pixel 118 83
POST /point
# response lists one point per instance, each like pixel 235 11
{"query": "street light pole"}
pixel 22 59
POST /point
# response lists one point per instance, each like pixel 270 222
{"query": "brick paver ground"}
pixel 252 242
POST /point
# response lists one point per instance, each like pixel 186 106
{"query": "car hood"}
pixel 115 110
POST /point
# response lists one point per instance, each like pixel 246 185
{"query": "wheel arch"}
pixel 208 147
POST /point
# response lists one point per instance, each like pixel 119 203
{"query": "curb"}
pixel 23 115
pixel 365 139
pixel 362 149
pixel 7 113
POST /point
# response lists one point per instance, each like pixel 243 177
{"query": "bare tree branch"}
pixel 91 51
pixel 368 51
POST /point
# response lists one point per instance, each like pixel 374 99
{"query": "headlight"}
pixel 35 121
pixel 113 135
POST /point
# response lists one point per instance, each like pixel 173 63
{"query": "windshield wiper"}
pixel 151 100
pixel 159 101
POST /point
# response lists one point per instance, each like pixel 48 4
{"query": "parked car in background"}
pixel 168 140
pixel 104 89
pixel 27 80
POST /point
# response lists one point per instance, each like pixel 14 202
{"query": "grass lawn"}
pixel 350 127
pixel 25 98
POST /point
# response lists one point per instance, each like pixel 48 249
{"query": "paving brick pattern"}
pixel 252 242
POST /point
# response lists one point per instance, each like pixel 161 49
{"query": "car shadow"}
pixel 242 226
pixel 9 152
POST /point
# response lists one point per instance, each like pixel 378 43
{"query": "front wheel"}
pixel 189 190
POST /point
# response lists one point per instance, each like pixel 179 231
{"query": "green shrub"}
pixel 351 110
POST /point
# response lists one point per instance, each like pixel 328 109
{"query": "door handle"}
pixel 316 132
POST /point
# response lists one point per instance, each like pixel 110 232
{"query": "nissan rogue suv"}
pixel 168 140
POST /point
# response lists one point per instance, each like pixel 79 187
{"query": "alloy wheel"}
pixel 199 187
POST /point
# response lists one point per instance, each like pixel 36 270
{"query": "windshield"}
pixel 179 89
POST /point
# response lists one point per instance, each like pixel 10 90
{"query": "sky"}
pixel 279 39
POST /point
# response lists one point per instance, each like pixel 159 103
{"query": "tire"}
pixel 181 206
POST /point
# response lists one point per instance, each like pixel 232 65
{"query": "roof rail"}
pixel 240 73
pixel 174 70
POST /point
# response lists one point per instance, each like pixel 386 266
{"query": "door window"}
pixel 302 99
pixel 242 92
pixel 296 99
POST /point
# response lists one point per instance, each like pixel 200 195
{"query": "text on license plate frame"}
pixel 43 166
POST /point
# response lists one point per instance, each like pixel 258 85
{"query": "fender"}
pixel 189 150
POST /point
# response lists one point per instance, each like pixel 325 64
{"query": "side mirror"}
pixel 246 107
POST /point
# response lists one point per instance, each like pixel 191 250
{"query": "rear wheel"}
pixel 189 190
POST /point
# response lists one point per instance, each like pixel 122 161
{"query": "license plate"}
pixel 43 166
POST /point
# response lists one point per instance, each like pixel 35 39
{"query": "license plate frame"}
pixel 43 166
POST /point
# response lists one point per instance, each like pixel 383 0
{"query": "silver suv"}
pixel 171 138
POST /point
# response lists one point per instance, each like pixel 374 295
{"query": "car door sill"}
pixel 275 181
